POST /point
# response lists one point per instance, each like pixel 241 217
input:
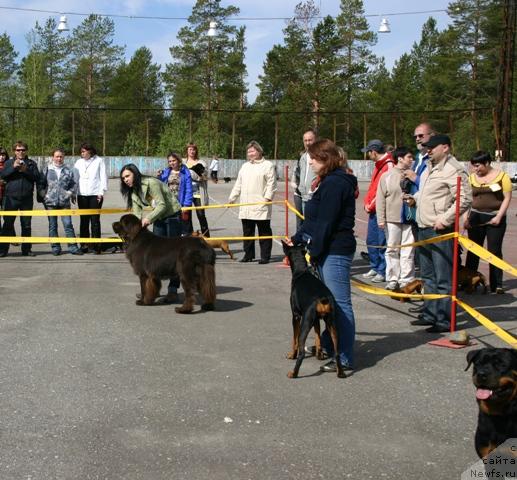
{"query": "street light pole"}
pixel 212 32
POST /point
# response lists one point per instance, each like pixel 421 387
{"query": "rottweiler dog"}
pixel 311 301
pixel 495 379
pixel 412 287
pixel 215 243
pixel 154 258
pixel 469 280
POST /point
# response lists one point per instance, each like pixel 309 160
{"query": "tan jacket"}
pixel 388 200
pixel 256 182
pixel 436 198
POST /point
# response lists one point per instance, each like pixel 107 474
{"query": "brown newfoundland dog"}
pixel 154 258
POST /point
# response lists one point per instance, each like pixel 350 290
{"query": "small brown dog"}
pixel 469 280
pixel 215 243
pixel 416 286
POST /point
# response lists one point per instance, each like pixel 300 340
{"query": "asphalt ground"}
pixel 94 387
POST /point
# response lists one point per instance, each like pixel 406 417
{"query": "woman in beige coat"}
pixel 256 182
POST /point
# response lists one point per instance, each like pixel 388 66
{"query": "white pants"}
pixel 400 262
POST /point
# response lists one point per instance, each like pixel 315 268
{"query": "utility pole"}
pixel 505 87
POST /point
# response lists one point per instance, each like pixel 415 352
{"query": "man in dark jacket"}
pixel 20 174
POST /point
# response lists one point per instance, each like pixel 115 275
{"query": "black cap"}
pixel 375 144
pixel 437 140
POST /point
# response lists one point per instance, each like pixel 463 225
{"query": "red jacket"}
pixel 382 165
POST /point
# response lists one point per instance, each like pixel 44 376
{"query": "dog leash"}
pixel 216 219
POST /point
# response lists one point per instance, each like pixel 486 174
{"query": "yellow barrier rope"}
pixel 293 209
pixel 488 324
pixel 484 321
pixel 388 293
pixel 109 211
pixel 486 255
pixel 59 240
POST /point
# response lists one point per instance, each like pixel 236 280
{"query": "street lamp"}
pixel 63 25
pixel 212 32
pixel 384 27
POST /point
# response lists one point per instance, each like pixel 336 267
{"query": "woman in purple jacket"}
pixel 177 177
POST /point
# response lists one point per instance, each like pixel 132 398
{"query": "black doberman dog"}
pixel 311 301
pixel 495 379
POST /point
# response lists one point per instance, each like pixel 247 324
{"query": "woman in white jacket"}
pixel 256 182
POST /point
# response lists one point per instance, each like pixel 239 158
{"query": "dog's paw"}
pixel 291 374
pixel 139 302
pixel 208 306
pixel 291 356
pixel 183 310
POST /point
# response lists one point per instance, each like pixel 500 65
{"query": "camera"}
pixel 405 185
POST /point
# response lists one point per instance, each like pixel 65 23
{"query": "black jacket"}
pixel 329 222
pixel 20 184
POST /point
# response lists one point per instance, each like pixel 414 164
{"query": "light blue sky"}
pixel 159 35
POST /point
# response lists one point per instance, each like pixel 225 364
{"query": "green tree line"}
pixel 324 74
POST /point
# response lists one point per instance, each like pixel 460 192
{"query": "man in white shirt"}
pixel 93 183
pixel 303 176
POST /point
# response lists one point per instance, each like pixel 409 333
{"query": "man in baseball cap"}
pixel 435 214
pixel 375 236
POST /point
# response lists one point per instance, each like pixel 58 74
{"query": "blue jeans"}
pixel 11 203
pixel 169 227
pixel 67 225
pixel 375 236
pixel 436 272
pixel 335 273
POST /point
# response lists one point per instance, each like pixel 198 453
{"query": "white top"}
pixel 214 165
pixel 93 179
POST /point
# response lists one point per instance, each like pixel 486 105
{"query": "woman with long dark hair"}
pixel 141 191
pixel 177 177
pixel 328 232
pixel 199 175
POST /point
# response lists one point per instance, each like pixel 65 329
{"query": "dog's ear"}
pixel 471 357
pixel 513 353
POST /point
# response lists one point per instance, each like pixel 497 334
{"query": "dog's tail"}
pixel 323 307
pixel 207 284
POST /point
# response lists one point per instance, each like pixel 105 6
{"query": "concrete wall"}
pixel 230 168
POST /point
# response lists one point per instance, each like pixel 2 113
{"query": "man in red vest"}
pixel 375 235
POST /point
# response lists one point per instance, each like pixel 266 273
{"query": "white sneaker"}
pixel 370 274
pixel 378 278
pixel 392 285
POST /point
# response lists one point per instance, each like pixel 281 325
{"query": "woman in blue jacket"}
pixel 328 232
pixel 177 177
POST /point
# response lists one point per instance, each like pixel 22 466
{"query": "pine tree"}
pixel 93 62
pixel 136 86
pixel 208 72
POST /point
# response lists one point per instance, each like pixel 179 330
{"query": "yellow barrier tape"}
pixel 293 209
pixel 487 256
pixel 114 239
pixel 488 324
pixel 108 211
pixel 58 240
pixel 441 238
pixel 381 291
pixel 60 213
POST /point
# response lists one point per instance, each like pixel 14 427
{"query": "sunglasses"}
pixel 420 135
pixel 21 150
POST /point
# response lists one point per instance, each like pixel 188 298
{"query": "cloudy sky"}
pixel 159 35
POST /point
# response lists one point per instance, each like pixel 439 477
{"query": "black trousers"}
pixel 203 224
pixel 264 229
pixel 10 203
pixel 90 225
pixel 494 235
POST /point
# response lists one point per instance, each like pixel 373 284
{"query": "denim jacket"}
pixel 59 191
